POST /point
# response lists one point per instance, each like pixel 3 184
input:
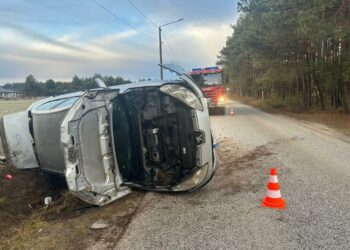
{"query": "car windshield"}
pixel 55 104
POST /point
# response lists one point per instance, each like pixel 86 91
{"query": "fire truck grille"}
pixel 211 95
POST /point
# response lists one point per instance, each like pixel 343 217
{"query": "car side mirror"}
pixel 100 83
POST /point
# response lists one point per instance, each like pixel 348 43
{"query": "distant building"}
pixel 8 94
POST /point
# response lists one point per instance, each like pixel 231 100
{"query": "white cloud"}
pixel 197 45
pixel 68 46
pixel 121 52
pixel 21 55
pixel 113 38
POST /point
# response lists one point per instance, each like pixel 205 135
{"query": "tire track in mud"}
pixel 241 170
pixel 118 217
pixel 129 219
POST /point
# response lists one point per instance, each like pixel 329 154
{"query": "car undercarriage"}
pixel 154 137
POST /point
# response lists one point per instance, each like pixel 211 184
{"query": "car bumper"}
pixel 212 104
pixel 201 176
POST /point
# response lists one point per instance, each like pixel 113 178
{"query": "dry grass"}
pixel 13 106
pixel 22 234
pixel 56 226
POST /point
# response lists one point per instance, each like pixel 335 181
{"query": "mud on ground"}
pixel 239 170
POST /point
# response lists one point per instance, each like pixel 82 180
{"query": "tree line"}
pixel 295 51
pixel 32 87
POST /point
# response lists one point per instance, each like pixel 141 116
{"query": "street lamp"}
pixel 160 45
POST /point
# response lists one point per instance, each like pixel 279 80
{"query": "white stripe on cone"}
pixel 273 193
pixel 273 179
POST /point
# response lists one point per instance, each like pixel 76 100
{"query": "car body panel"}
pixel 17 141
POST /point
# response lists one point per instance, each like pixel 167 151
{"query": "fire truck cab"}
pixel 210 80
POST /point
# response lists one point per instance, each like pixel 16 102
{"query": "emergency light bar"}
pixel 207 70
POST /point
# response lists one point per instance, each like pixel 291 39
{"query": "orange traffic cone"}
pixel 273 197
pixel 232 113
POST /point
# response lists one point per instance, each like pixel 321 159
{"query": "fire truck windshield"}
pixel 208 79
pixel 212 79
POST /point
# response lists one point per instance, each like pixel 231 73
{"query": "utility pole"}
pixel 160 45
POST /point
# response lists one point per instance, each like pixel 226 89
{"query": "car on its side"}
pixel 153 135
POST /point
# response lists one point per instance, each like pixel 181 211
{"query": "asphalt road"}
pixel 313 163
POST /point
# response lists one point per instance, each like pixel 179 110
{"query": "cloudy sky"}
pixel 59 39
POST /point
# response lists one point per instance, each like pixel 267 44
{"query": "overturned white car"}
pixel 150 135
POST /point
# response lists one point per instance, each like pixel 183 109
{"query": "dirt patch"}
pixel 20 197
pixel 239 171
pixel 333 118
pixel 119 215
pixel 229 165
pixel 26 223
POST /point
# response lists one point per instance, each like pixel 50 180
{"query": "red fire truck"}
pixel 210 80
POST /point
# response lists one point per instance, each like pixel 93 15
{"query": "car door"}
pixel 92 172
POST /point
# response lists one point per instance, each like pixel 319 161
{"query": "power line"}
pixel 170 49
pixel 143 13
pixel 122 20
pixel 168 54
